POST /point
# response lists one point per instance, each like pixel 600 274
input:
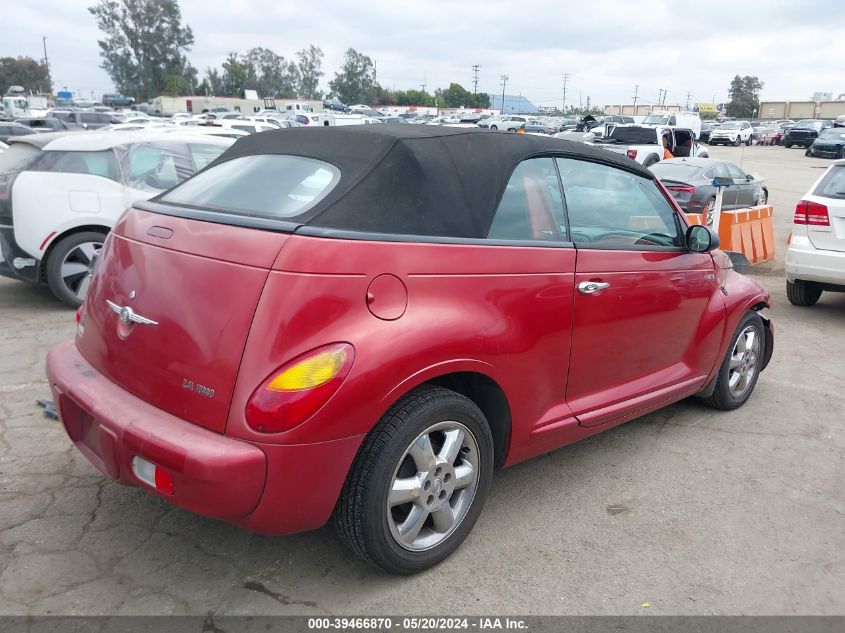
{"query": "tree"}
pixel 356 81
pixel 145 45
pixel 310 69
pixel 456 96
pixel 744 96
pixel 25 72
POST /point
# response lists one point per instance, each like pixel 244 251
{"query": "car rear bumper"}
pixel 14 261
pixel 807 263
pixel 271 489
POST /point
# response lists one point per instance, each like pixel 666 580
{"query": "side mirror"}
pixel 700 239
pixel 749 177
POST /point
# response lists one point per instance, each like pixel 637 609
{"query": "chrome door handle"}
pixel 592 287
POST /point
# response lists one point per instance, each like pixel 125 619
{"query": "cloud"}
pixel 654 44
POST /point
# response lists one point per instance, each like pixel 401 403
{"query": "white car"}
pixel 815 258
pixel 732 133
pixel 62 193
pixel 509 123
pixel 646 144
pixel 215 131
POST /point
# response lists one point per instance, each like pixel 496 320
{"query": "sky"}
pixel 607 48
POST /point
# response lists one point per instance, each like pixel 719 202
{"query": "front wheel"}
pixel 68 267
pixel 741 367
pixel 418 483
pixel 737 142
pixel 788 145
pixel 494 127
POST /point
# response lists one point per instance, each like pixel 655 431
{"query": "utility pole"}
pixel 504 79
pixel 565 77
pixel 636 93
pixel 47 65
pixel 424 84
pixel 659 96
pixel 475 68
pixel 663 103
pixel 689 94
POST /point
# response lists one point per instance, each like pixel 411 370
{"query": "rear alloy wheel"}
pixel 803 293
pixel 69 264
pixel 418 483
pixel 741 367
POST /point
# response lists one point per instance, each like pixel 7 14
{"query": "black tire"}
pixel 511 129
pixel 722 396
pixel 651 160
pixel 788 145
pixel 494 127
pixel 803 293
pixel 70 290
pixel 748 142
pixel 764 198
pixel 737 142
pixel 361 518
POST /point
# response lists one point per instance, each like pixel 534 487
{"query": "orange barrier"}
pixel 747 231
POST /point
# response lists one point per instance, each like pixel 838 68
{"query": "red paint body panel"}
pixel 658 325
pixel 233 305
pixel 203 305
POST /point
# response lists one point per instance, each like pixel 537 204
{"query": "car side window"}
pixel 610 207
pixel 736 173
pixel 102 164
pixel 531 207
pixel 203 153
pixel 157 167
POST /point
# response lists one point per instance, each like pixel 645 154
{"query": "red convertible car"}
pixel 361 324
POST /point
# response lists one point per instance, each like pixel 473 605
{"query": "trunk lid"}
pixel 199 282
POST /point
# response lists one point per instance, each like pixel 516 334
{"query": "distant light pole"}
pixel 504 79
pixel 475 68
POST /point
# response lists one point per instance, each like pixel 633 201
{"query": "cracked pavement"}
pixel 691 510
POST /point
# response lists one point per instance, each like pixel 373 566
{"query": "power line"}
pixel 475 68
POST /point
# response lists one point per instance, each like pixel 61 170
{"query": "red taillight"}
pixel 812 213
pixel 79 314
pixel 296 391
pixel 632 154
pixel 681 189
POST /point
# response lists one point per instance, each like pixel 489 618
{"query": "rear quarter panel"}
pixel 502 311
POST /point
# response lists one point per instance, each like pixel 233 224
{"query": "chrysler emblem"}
pixel 128 316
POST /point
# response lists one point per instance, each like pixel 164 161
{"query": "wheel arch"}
pixel 55 239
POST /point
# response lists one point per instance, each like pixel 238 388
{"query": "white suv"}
pixel 732 133
pixel 815 259
pixel 60 194
pixel 509 123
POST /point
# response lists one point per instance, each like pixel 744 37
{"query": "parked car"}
pixel 383 348
pixel 690 181
pixel 10 130
pixel 645 143
pixel 765 134
pixel 686 120
pixel 60 194
pixel 43 124
pixel 490 121
pixel 113 101
pixel 538 126
pixel 511 123
pixel 600 127
pixel 335 104
pixel 731 133
pixel 84 119
pixel 706 128
pixel 804 132
pixel 815 257
pixel 830 143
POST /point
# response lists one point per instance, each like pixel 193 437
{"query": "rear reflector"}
pixel 811 213
pixel 152 475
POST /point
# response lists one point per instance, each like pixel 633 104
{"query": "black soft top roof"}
pixel 414 179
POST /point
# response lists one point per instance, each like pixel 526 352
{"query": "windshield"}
pixel 809 124
pixel 19 157
pixel 272 186
pixel 634 135
pixel 730 125
pixel 833 133
pixel 656 119
pixel 668 170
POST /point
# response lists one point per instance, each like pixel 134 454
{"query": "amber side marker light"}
pixel 294 392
